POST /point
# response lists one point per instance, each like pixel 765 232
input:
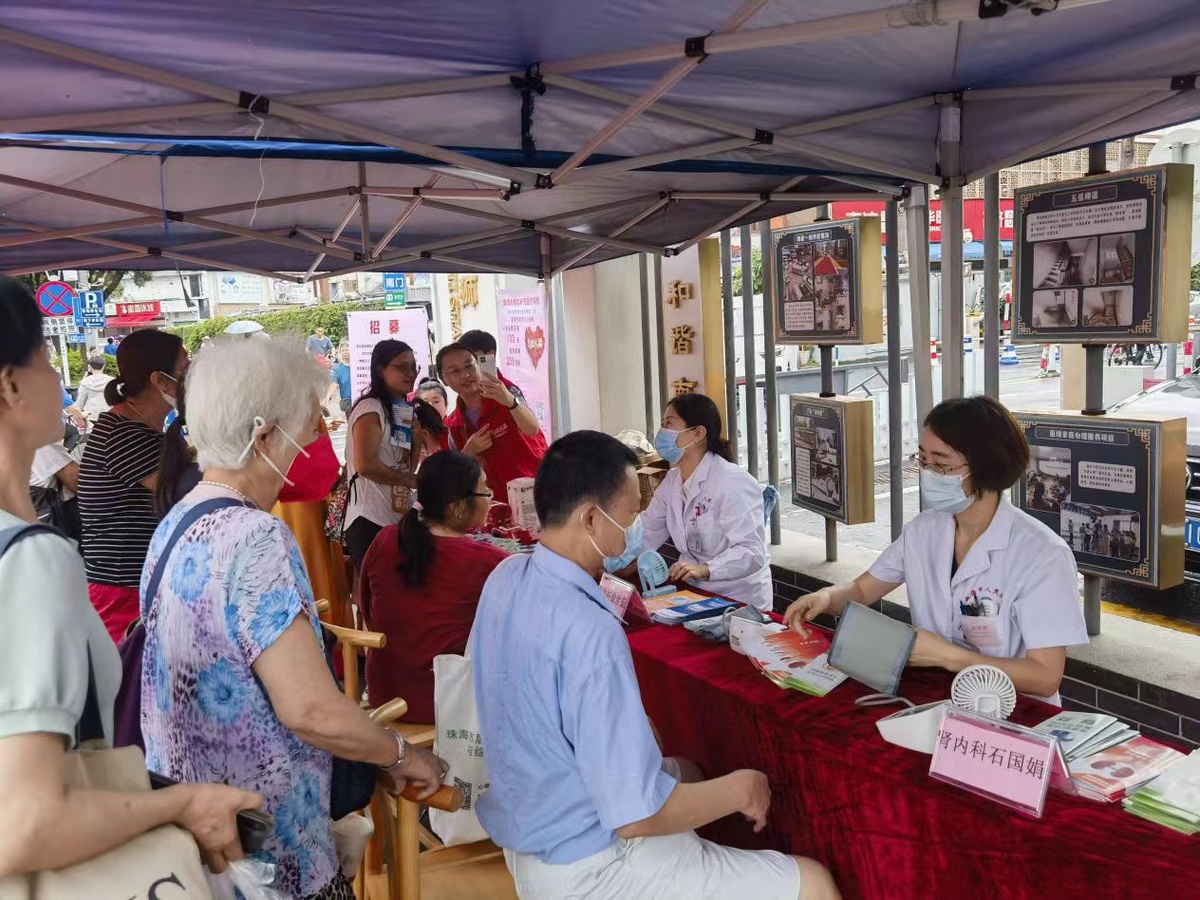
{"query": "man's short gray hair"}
pixel 231 383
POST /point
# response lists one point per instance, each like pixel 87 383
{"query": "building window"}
pixel 195 286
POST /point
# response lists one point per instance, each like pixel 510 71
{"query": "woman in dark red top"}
pixel 421 581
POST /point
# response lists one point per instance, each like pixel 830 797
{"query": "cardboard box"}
pixel 650 476
pixel 520 501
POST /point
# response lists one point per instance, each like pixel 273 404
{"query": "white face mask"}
pixel 944 492
pixel 172 402
pixel 259 424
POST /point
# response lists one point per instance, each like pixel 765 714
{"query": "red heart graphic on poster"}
pixel 535 343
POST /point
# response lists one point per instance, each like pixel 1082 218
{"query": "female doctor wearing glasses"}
pixel 709 506
pixel 987 583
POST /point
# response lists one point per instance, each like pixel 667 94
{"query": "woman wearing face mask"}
pixel 119 472
pixel 380 457
pixel 234 678
pixel 709 507
pixel 987 583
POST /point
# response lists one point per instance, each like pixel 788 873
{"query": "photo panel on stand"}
pixel 1065 263
pixel 1102 531
pixel 1056 308
pixel 1108 306
pixel 1117 258
pixel 1048 479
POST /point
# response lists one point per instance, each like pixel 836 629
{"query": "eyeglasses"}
pixel 405 368
pixel 935 468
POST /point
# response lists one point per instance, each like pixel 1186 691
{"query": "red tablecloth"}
pixel 868 809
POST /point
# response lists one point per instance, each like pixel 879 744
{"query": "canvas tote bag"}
pixel 460 744
pixel 161 863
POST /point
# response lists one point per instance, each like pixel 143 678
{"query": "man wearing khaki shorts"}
pixel 579 797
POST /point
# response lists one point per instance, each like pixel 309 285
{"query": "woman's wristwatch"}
pixel 516 402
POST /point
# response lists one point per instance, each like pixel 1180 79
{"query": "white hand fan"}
pixel 653 573
pixel 985 690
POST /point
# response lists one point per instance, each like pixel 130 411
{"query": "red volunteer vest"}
pixel 513 454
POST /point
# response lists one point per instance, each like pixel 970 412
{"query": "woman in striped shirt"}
pixel 120 471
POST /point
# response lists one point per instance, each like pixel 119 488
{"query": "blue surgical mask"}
pixel 634 538
pixel 944 492
pixel 664 445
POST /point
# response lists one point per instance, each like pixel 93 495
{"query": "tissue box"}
pixel 520 501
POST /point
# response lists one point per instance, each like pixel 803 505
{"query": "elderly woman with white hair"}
pixel 235 686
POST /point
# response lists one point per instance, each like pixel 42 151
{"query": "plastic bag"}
pixel 351 834
pixel 251 877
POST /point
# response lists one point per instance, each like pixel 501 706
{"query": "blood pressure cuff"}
pixel 871 647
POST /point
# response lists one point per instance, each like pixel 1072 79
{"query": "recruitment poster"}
pixel 828 283
pixel 1113 489
pixel 366 329
pixel 831 457
pixel 522 352
pixel 1104 258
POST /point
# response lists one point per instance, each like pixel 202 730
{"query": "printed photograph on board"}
pixel 833 301
pixel 1067 263
pixel 827 483
pixel 827 446
pixel 1108 306
pixel 1056 309
pixel 797 273
pixel 803 434
pixel 1048 479
pixel 1116 258
pixel 1102 531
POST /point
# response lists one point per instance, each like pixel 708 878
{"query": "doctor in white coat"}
pixel 710 508
pixel 987 583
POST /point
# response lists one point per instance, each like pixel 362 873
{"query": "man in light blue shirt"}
pixel 576 773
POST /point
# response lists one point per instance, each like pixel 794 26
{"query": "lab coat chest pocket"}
pixel 983 616
pixel 700 528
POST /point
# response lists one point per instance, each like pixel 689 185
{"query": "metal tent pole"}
pixel 831 542
pixel 896 387
pixel 731 397
pixel 1171 348
pixel 991 285
pixel 749 351
pixel 657 293
pixel 916 209
pixel 648 387
pixel 953 308
pixel 772 386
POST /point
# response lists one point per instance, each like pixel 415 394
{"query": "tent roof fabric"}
pixel 188 105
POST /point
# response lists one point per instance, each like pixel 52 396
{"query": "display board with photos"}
pixel 832 468
pixel 828 283
pixel 1104 258
pixel 1112 488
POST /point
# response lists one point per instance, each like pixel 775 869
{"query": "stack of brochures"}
pixel 1172 799
pixel 666 601
pixel 701 608
pixel 1111 774
pixel 793 661
pixel 1083 734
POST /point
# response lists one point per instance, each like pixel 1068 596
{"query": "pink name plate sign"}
pixel 997 760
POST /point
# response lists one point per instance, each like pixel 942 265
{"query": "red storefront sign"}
pixel 972 217
pixel 152 309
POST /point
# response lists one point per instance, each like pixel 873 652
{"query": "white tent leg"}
pixel 953 309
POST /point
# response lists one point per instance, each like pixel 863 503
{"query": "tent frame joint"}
pixel 693 47
pixel 1183 82
pixel 763 136
pixel 545 181
pixel 154 251
pixel 255 104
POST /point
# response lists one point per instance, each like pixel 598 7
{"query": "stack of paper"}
pixel 1111 774
pixel 666 601
pixel 1083 734
pixel 703 608
pixel 790 660
pixel 1171 799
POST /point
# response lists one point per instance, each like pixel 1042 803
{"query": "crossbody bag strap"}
pixel 90 726
pixel 193 515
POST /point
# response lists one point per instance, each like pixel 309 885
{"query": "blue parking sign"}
pixel 89 309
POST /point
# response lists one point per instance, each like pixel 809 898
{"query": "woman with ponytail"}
pixel 120 472
pixel 421 581
pixel 710 508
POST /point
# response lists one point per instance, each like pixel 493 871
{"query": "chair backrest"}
pixel 351 640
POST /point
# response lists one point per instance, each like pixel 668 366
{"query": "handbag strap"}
pixel 197 512
pixel 90 726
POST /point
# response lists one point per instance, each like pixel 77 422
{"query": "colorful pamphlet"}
pixel 1109 775
pixel 666 601
pixel 686 612
pixel 794 661
pixel 1172 799
pixel 1083 734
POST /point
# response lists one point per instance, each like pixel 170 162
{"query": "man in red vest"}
pixel 490 420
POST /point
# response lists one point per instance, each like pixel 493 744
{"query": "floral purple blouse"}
pixel 234 582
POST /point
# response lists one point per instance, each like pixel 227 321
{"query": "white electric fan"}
pixel 653 573
pixel 985 690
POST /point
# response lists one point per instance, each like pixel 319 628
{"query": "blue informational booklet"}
pixel 701 609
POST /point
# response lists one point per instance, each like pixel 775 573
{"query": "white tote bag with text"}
pixel 460 744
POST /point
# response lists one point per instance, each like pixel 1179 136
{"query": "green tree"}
pixel 1196 277
pixel 294 323
pixel 108 280
pixel 756 275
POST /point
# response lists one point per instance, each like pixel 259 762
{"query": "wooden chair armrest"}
pixel 372 640
pixel 323 607
pixel 389 712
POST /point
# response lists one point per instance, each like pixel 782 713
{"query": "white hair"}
pixel 230 384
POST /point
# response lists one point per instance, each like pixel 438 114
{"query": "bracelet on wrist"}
pixel 401 752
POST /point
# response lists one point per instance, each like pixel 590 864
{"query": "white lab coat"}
pixel 715 518
pixel 1016 590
